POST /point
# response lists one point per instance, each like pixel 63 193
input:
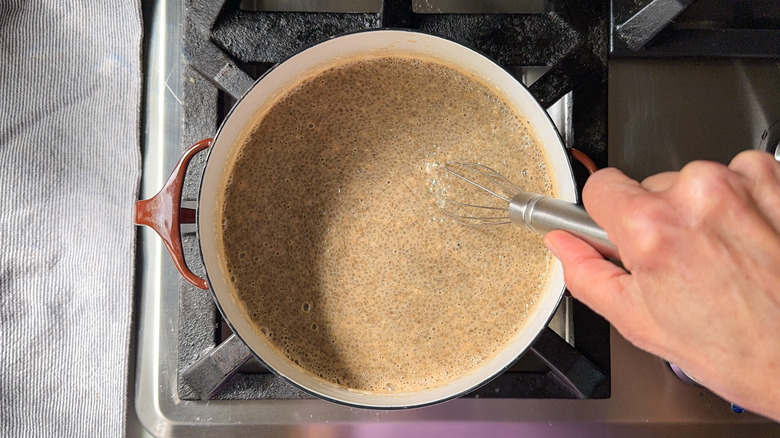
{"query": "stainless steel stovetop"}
pixel 645 397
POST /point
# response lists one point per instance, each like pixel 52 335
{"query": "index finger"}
pixel 608 192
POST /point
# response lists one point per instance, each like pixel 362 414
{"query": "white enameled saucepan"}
pixel 163 212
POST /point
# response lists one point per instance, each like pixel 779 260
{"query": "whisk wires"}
pixel 483 180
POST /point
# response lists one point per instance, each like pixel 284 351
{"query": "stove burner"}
pixel 230 47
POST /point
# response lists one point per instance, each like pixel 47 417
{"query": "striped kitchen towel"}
pixel 70 84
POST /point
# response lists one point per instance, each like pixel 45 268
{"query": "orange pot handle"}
pixel 584 159
pixel 163 213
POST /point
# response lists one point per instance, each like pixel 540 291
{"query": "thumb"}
pixel 591 279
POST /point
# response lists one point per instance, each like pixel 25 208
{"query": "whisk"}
pixel 506 203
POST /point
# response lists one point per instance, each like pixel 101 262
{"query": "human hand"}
pixel 701 288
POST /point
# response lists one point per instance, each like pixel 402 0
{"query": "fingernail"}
pixel 551 247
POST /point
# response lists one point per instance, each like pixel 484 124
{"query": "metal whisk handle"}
pixel 542 214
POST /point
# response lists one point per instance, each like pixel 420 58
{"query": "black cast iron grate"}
pixel 226 48
pixel 686 28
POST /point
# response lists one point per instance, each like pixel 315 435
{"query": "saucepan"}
pixel 164 214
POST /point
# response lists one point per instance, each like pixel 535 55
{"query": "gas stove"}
pixel 193 377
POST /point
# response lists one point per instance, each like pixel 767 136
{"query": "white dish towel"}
pixel 70 82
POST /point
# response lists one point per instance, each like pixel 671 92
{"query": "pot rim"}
pixel 241 333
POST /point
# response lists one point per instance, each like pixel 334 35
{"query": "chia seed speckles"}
pixel 336 244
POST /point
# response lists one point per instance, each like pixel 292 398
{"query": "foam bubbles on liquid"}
pixel 347 275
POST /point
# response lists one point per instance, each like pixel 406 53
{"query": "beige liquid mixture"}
pixel 335 246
